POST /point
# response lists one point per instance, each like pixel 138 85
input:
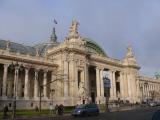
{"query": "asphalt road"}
pixel 139 114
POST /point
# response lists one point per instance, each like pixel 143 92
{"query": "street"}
pixel 138 114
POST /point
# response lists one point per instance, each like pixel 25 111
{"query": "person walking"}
pixel 5 111
pixel 56 109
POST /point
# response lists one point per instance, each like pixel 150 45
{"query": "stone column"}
pixel 114 85
pixel 143 88
pixel 76 78
pixel 26 84
pixel 126 86
pixel 86 79
pixel 71 77
pixel 103 99
pixel 111 89
pixel 36 84
pixel 102 83
pixel 122 85
pixel 66 79
pixel 16 81
pixel 98 84
pixel 44 84
pixel 5 73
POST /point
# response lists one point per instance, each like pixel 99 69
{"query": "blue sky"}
pixel 112 23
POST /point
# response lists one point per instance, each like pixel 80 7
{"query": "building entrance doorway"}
pixel 92 84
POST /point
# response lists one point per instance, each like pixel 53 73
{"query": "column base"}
pixel 101 100
pixel 113 98
pixel 36 98
pixel 45 98
pixel 26 98
pixel 4 97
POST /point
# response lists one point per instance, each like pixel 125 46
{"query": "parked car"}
pixel 152 104
pixel 86 110
pixel 156 115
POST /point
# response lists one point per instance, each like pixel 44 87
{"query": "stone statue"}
pixel 74 29
pixel 81 90
pixel 129 51
pixel 37 52
pixel 7 45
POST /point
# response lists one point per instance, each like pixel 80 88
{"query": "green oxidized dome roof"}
pixel 94 47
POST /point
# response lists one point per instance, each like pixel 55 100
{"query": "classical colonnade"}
pixel 20 78
pixel 114 93
pixel 72 67
pixel 123 85
pixel 149 90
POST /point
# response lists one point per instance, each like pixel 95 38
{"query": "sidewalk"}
pixel 68 115
pixel 122 108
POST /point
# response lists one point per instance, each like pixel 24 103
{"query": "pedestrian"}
pixel 60 109
pixel 76 106
pixel 56 109
pixel 51 108
pixel 36 109
pixel 5 111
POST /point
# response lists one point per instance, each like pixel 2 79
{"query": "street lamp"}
pixel 52 93
pixel 16 67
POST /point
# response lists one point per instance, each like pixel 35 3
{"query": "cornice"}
pixel 26 59
pixel 67 49
pixel 148 79
pixel 106 60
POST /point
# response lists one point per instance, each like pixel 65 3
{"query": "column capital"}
pixel 27 66
pixel 71 59
pixel 45 70
pixel 6 65
pixel 121 72
pixel 65 60
pixel 36 69
pixel 113 71
pixel 101 68
pixel 96 68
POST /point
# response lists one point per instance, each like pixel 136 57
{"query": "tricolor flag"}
pixel 55 21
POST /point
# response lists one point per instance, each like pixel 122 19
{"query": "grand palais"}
pixel 72 72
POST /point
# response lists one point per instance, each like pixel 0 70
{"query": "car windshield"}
pixel 81 106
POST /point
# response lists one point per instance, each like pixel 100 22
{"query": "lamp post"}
pixel 52 93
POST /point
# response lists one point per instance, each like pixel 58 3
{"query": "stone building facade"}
pixel 69 73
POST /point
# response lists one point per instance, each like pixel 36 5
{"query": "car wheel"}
pixel 156 115
pixel 84 114
pixel 97 113
pixel 75 116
